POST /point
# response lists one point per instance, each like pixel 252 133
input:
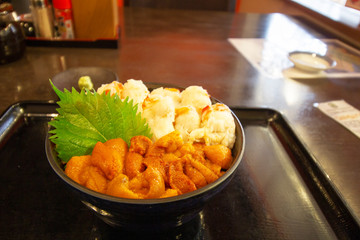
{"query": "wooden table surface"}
pixel 192 48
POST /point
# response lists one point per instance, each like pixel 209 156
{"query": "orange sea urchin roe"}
pixel 146 170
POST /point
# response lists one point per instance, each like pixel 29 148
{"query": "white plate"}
pixel 311 62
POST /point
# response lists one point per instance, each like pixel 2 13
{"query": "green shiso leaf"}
pixel 86 118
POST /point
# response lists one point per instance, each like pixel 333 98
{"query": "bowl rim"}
pixel 53 161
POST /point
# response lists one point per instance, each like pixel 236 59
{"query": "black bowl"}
pixel 69 78
pixel 150 214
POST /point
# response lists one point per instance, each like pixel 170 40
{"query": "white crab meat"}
pixel 114 87
pixel 187 119
pixel 159 111
pixel 173 93
pixel 135 90
pixel 195 96
pixel 217 126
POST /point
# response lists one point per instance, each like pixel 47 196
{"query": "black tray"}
pixel 278 191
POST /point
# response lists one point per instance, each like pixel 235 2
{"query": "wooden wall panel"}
pixel 94 19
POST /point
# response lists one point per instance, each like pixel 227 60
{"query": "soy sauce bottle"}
pixel 12 39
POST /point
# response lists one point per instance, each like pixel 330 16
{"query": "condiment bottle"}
pixel 43 18
pixel 64 18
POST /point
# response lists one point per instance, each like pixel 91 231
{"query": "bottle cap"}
pixel 62 4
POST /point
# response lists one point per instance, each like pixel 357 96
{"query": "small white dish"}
pixel 311 62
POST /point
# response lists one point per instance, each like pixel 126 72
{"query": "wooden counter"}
pixel 192 48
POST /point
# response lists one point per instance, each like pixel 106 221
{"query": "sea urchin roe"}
pixel 148 170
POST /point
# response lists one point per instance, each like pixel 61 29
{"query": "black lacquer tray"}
pixel 278 191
